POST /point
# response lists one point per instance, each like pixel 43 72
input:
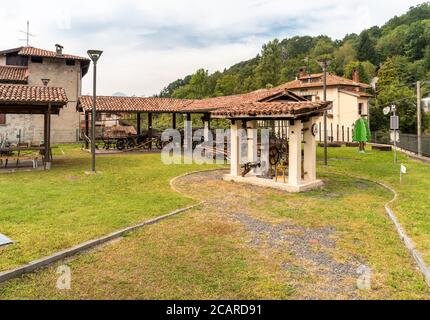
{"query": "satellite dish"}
pixel 387 110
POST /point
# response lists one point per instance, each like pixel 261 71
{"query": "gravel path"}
pixel 309 248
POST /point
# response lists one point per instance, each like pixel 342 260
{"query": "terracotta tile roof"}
pixel 214 103
pixel 136 104
pixel 284 108
pixel 133 104
pixel 13 74
pixel 357 93
pixel 10 93
pixel 35 52
pixel 332 80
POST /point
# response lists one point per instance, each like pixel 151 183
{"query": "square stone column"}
pixel 235 149
pixel 295 153
pixel 310 156
pixel 252 142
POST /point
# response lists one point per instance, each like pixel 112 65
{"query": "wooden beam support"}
pixel 138 123
pixel 150 129
pixel 173 120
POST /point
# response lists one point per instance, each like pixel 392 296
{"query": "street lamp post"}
pixel 47 131
pixel 95 56
pixel 324 64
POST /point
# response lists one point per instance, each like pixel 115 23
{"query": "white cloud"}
pixel 150 43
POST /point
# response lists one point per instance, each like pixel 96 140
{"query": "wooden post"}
pixel 87 130
pixel 138 123
pixel 343 133
pixel 150 129
pixel 347 129
pixel 173 120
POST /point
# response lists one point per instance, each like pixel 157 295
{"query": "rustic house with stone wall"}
pixel 28 66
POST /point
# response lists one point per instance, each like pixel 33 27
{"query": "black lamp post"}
pixel 324 63
pixel 47 130
pixel 95 56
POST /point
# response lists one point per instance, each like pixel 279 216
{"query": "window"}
pixel 14 59
pixel 360 109
pixel 37 59
pixel 70 62
pixel 2 119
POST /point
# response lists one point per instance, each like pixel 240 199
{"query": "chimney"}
pixel 303 72
pixel 356 76
pixel 59 49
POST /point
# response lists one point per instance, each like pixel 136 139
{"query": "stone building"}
pixel 28 66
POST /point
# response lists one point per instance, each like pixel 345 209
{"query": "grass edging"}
pixel 37 264
pixel 406 240
pixel 409 244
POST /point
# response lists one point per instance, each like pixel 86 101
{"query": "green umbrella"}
pixel 361 131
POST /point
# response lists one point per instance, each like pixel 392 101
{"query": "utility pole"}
pixel 419 117
pixel 324 63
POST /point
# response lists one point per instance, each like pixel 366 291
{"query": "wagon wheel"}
pixel 131 143
pixel 274 156
pixel 161 144
pixel 120 144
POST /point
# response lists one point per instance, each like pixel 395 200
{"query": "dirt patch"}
pixel 308 249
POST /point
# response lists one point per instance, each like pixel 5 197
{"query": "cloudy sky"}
pixel 149 43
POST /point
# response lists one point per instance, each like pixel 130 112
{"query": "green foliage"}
pixel 226 85
pixel 398 52
pixel 366 48
pixel 393 89
pixel 366 70
pixel 344 55
pixel 267 72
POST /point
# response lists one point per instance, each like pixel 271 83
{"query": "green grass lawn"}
pixel 413 205
pixel 45 212
pixel 205 254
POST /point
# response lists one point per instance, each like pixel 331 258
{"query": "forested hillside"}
pixel 398 53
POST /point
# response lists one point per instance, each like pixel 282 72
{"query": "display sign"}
pixel 394 123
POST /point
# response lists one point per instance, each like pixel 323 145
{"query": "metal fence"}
pixel 407 141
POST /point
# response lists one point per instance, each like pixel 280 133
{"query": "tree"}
pixel 393 89
pixel 366 48
pixel 393 43
pixel 366 70
pixel 417 39
pixel 198 88
pixel 323 48
pixel 168 91
pixel 343 56
pixel 227 85
pixel 268 71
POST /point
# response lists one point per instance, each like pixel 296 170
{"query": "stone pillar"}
pixel 295 153
pixel 235 149
pixel 310 156
pixel 252 142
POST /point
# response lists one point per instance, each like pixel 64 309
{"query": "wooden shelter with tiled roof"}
pixel 34 100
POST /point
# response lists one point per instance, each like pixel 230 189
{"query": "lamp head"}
pixel 94 55
pixel 45 82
